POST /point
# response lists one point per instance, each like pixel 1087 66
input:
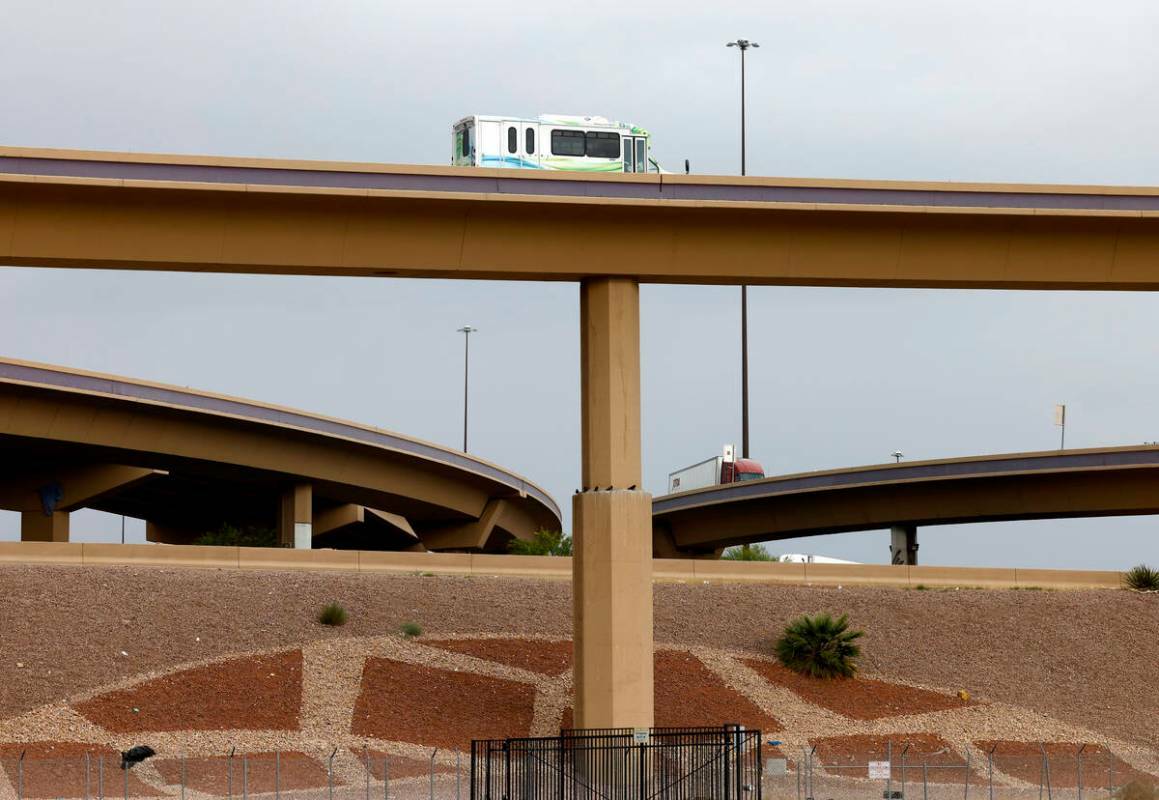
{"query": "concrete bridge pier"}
pixel 612 562
pixel 903 544
pixel 296 517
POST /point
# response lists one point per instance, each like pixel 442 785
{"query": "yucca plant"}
pixel 1142 578
pixel 333 615
pixel 819 646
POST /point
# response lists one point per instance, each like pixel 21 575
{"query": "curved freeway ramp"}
pixel 188 462
pixel 1113 481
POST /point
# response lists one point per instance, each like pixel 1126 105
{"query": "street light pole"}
pixel 466 330
pixel 743 45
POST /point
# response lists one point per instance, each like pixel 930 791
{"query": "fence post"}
pixel 87 770
pixel 385 778
pixel 925 780
pixel 229 773
pixel 1079 769
pixel 183 776
pixel 459 775
pixel 125 780
pixel 20 776
pixel 904 750
pixel 1110 773
pixel 101 776
pixel 330 775
pixel 966 791
pixel 1046 763
pixel 366 768
pixel 245 776
pixel 277 774
pixel 990 770
pixel 889 775
pixel 432 781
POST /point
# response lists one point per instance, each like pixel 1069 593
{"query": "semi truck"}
pixel 725 468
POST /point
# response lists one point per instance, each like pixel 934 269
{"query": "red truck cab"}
pixel 743 469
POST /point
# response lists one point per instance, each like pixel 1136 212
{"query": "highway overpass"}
pixel 609 233
pixel 1111 481
pixel 188 461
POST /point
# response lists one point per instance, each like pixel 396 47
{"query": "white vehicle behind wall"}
pixel 725 468
pixel 552 142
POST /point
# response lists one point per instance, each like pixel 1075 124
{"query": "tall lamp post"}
pixel 466 330
pixel 743 45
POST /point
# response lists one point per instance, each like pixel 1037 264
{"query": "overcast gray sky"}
pixel 1050 91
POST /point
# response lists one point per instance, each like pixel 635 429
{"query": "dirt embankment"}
pixel 1087 658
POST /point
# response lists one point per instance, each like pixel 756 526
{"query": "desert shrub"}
pixel 332 614
pixel 819 646
pixel 749 552
pixel 232 536
pixel 411 629
pixel 1138 790
pixel 542 543
pixel 1142 578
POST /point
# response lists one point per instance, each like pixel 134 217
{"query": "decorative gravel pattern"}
pixel 57 769
pixel 856 698
pixel 544 657
pixel 1023 760
pixel 440 708
pixel 688 695
pixel 1083 673
pixel 848 756
pixel 257 772
pixel 254 693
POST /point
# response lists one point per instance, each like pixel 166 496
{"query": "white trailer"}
pixel 725 468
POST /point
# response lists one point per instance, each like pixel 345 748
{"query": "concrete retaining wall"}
pixel 664 569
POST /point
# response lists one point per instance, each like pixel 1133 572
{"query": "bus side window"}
pixel 512 140
pixel 530 137
pixel 628 155
pixel 641 155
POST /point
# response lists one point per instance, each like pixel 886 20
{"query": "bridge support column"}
pixel 612 565
pixel 903 544
pixel 36 526
pixel 295 517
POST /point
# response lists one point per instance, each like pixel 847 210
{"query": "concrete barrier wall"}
pixel 664 569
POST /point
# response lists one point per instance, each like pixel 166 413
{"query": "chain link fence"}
pixel 1085 773
pixel 337 774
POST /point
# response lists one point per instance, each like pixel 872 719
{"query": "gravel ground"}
pixel 1087 658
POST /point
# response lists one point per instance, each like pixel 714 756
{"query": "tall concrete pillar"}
pixel 903 544
pixel 612 563
pixel 295 517
pixel 36 526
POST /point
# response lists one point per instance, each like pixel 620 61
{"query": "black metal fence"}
pixel 620 764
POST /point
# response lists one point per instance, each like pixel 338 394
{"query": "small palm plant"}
pixel 819 646
pixel 1142 578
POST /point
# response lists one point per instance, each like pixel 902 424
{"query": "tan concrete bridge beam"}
pixel 296 517
pixel 612 565
pixel 44 500
pixel 471 535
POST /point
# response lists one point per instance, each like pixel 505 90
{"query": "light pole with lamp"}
pixel 743 45
pixel 466 330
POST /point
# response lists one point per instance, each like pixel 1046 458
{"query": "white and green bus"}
pixel 575 144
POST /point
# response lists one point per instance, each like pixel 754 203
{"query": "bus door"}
pixel 514 143
pixel 641 154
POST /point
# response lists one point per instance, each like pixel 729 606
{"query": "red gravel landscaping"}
pixel 57 769
pixel 403 767
pixel 688 693
pixel 254 693
pixel 849 756
pixel 413 703
pixel 856 698
pixel 546 658
pixel 1024 760
pixel 258 772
